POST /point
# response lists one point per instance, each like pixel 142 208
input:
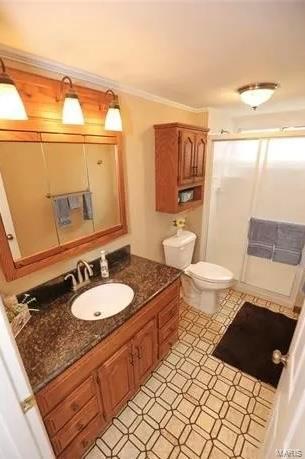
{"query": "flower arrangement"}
pixel 179 223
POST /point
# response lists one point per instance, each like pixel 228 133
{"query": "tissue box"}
pixel 186 195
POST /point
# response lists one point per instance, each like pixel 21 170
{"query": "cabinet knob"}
pixel 10 237
pixel 80 426
pixel 75 406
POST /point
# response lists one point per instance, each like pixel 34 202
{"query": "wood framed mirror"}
pixel 61 189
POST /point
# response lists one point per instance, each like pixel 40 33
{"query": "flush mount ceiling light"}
pixel 11 105
pixel 72 111
pixel 113 120
pixel 257 93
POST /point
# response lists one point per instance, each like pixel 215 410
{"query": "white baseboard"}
pixel 264 294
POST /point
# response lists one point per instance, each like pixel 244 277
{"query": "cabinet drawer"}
pixel 168 312
pixel 168 295
pixel 70 406
pixel 165 347
pixel 169 328
pixel 75 425
pixel 83 440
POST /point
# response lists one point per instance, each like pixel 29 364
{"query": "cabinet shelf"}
pixel 180 152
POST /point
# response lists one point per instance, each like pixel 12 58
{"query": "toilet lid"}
pixel 210 272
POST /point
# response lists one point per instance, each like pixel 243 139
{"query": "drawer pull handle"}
pixel 85 443
pixel 75 406
pixel 139 352
pixel 173 312
pixel 131 358
pixel 80 426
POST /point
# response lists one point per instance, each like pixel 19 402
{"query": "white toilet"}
pixel 202 282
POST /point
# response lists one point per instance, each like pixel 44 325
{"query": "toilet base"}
pixel 206 301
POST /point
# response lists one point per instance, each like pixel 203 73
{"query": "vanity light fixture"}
pixel 257 93
pixel 113 119
pixel 72 111
pixel 11 105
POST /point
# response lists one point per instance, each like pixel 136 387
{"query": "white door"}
pixel 286 429
pixel 22 435
pixel 16 439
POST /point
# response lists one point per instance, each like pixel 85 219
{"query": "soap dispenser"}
pixel 104 265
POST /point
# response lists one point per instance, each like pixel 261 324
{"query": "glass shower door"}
pixel 280 197
pixel 233 179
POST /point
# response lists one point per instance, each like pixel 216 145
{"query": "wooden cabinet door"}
pixel 145 351
pixel 199 163
pixel 186 157
pixel 116 378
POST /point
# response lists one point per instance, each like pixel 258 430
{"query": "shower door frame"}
pixel 259 136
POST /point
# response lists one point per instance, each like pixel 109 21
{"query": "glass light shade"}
pixel 11 105
pixel 72 111
pixel 256 97
pixel 113 120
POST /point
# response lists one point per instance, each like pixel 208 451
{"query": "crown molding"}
pixel 92 80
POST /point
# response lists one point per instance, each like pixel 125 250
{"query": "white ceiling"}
pixel 192 52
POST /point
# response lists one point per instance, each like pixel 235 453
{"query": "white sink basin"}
pixel 102 301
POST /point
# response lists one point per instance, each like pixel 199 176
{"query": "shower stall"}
pixel 254 177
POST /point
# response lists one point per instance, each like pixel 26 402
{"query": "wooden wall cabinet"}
pixel 180 153
pixel 79 403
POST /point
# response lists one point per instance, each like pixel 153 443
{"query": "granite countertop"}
pixel 54 339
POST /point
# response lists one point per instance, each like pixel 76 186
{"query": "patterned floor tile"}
pixel 193 405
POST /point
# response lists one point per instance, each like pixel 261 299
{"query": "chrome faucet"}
pixel 81 279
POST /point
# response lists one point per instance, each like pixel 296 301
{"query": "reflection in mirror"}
pixel 67 175
pixel 29 215
pixel 103 183
pixel 55 193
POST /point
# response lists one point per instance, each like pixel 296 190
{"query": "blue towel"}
pixel 87 206
pixel 62 211
pixel 74 201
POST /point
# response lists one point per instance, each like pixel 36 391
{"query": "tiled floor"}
pixel 194 405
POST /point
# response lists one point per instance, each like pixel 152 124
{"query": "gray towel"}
pixel 290 243
pixel 289 257
pixel 290 236
pixel 262 236
pixel 62 211
pixel 262 231
pixel 260 250
pixel 87 206
pixel 74 201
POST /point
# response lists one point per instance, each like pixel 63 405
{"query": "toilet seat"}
pixel 209 272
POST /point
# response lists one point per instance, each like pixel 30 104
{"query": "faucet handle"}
pixel 88 272
pixel 74 283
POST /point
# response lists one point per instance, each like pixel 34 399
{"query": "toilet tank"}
pixel 179 249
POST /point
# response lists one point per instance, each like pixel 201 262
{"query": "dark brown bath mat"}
pixel 252 337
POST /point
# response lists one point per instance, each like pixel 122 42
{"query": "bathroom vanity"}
pixel 83 372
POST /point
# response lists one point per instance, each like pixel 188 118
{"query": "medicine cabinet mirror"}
pixel 60 194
